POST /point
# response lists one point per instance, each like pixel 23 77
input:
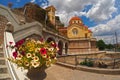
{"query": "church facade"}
pixel 80 39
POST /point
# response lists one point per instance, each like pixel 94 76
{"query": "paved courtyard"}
pixel 57 72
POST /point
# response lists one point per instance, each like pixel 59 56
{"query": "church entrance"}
pixel 60 46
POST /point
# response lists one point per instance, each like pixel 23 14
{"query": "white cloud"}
pixel 32 1
pixel 107 31
pixel 101 9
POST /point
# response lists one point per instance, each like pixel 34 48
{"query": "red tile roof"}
pixel 90 31
pixel 75 18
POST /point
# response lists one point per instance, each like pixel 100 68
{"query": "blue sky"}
pixel 101 16
pixel 87 21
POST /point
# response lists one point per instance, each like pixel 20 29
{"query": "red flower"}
pixel 10 43
pixel 19 43
pixel 53 44
pixel 23 53
pixel 43 51
pixel 15 54
pixel 41 39
pixel 22 41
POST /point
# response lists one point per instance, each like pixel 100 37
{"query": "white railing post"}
pixel 16 73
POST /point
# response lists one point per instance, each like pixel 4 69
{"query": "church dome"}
pixel 75 19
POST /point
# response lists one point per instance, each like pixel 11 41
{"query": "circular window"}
pixel 75 31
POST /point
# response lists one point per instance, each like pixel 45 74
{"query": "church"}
pixel 80 39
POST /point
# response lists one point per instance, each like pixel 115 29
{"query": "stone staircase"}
pixel 4 74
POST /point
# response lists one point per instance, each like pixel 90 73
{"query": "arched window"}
pixel 77 21
pixel 86 35
pixel 74 31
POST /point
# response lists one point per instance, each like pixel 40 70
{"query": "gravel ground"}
pixel 57 72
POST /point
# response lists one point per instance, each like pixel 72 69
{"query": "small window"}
pixel 76 21
pixel 86 35
pixel 75 31
pixel 72 21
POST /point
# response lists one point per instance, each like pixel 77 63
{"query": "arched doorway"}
pixel 50 39
pixel 66 48
pixel 60 46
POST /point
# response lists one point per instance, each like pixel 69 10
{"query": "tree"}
pixel 109 46
pixel 101 44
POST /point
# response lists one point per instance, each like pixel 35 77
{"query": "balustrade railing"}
pixel 105 62
pixel 16 73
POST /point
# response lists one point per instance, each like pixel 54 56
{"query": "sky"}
pixel 101 16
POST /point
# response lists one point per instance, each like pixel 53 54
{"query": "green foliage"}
pixel 109 46
pixel 87 62
pixel 101 44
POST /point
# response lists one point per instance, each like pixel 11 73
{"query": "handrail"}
pixel 16 73
pixel 86 54
pixel 9 11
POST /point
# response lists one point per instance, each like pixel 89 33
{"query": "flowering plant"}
pixel 31 53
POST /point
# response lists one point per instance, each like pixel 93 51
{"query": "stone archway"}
pixel 60 46
pixel 66 48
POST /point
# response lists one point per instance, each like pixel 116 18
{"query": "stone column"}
pixel 63 50
pixel 89 44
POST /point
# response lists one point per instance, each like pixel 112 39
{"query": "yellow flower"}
pixel 33 55
pixel 31 49
pixel 36 58
pixel 35 64
pixel 26 63
pixel 28 55
pixel 50 49
pixel 38 42
pixel 44 55
pixel 19 57
pixel 28 44
pixel 32 40
pixel 19 62
pixel 32 45
pixel 37 50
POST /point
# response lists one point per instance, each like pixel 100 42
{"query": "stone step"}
pixel 3 69
pixel 1 54
pixel 2 61
pixel 1 49
pixel 5 77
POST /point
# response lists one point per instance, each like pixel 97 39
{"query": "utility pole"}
pixel 116 39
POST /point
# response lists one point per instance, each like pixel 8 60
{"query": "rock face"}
pixel 4 74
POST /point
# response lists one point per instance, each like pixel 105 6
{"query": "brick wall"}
pixel 3 22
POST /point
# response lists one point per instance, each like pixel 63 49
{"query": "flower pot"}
pixel 37 73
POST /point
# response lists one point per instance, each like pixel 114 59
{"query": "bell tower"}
pixel 51 14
